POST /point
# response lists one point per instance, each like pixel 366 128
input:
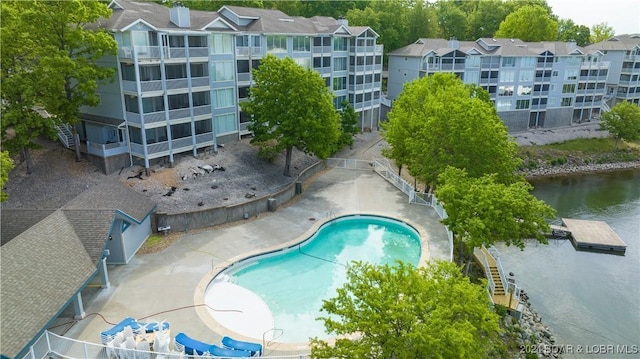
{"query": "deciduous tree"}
pixel 404 312
pixel 485 19
pixel 482 211
pixel 451 20
pixel 438 121
pixel 529 23
pixel 6 165
pixel 348 124
pixel 568 30
pixel 601 32
pixel 291 107
pixel 622 122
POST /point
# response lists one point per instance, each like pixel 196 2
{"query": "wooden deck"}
pixel 592 235
pixel 499 296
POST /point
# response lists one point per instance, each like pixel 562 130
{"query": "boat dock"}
pixel 591 235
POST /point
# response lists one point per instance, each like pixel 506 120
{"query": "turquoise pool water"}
pixel 294 282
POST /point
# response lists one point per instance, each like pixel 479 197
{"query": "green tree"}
pixel 71 66
pixel 438 121
pixel 407 312
pixel 622 122
pixel 485 19
pixel 601 32
pixel 387 18
pixel 422 22
pixel 482 211
pixel 568 30
pixel 348 124
pixel 20 90
pixel 291 107
pixel 6 165
pixel 529 23
pixel 55 65
pixel 451 20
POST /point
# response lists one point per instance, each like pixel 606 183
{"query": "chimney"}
pixel 453 43
pixel 343 21
pixel 179 15
pixel 571 44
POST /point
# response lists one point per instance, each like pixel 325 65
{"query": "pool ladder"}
pixel 274 337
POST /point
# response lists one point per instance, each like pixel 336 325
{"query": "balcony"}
pixel 155 52
pixel 154 117
pixel 199 81
pixel 594 65
pixel 177 114
pixel 177 84
pixel 244 77
pixel 198 52
pixel 182 143
pixel 202 110
pixel 107 149
pixel 204 139
pixel 632 58
pixel 248 51
pixel 322 49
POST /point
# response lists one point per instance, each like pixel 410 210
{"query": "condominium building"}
pixel 623 54
pixel 533 84
pixel 181 75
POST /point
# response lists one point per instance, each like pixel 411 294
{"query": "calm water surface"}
pixel 588 299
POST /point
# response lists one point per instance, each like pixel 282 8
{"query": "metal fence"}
pixel 350 164
pixel 53 345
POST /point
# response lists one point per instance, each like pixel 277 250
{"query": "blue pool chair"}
pixel 216 351
pixel 190 345
pixel 108 335
pixel 231 343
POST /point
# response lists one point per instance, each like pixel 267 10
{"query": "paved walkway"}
pixel 167 285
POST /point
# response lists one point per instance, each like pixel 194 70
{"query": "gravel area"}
pixel 239 175
pixel 544 136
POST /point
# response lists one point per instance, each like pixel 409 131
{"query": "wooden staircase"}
pixel 495 274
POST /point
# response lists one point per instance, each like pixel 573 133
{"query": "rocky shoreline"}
pixel 568 169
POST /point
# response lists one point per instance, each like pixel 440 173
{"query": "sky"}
pixel 622 15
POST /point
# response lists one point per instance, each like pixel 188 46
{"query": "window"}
pixel 176 71
pixel 339 44
pixel 197 41
pixel 508 62
pixel 131 104
pixel 304 62
pixel 128 72
pixel 199 70
pixel 155 135
pixel 528 62
pixel 243 67
pixel 505 91
pixel 135 135
pixel 223 70
pixel 224 98
pixel 568 88
pixel 203 126
pixel 222 44
pixel 571 74
pixel 337 101
pixel 225 123
pixel 524 90
pixel 152 104
pixel 150 73
pixel 276 44
pixel 522 104
pixel 566 101
pixel 181 130
pixel 178 101
pixel 301 44
pixel 526 76
pixel 339 83
pixel 243 92
pixel 503 105
pixel 340 64
pixel 554 73
pixel 201 98
pixel 176 41
pixel 473 61
pixel 574 61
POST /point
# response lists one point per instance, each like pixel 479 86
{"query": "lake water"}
pixel 591 300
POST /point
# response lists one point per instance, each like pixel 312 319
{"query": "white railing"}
pixel 65 135
pixel 350 164
pixel 53 345
pixel 496 256
pixel 107 149
pixel 479 253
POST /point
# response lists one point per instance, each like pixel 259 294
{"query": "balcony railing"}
pixel 198 52
pixel 246 51
pixel 204 139
pixel 199 81
pixel 181 143
pixel 107 149
pixel 632 58
pixel 133 117
pixel 179 113
pixel 594 65
pixel 177 84
pixel 322 49
pixel 202 110
pixel 154 117
pixel 244 77
pixel 158 147
pixel 154 52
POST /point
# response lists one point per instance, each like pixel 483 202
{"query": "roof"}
pixel 126 13
pixel 33 264
pixel 489 46
pixel 619 42
pixel 49 255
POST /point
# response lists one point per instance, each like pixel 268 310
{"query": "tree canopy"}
pixel 482 211
pixel 404 312
pixel 6 165
pixel 601 32
pixel 291 107
pixel 529 23
pixel 348 124
pixel 438 121
pixel 55 64
pixel 568 30
pixel 622 122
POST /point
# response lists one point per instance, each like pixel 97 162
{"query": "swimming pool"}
pixel 284 289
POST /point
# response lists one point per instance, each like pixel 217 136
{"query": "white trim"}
pixel 126 28
pixel 209 25
pixel 115 5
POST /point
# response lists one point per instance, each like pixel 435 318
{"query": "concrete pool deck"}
pixel 162 286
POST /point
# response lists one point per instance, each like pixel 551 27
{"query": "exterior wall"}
pixel 110 94
pixel 134 236
pixel 402 70
pixel 109 165
pixel 515 120
pixel 115 244
pixel 558 117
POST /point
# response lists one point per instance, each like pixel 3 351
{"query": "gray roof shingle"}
pixel 619 42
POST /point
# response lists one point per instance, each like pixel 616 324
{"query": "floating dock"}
pixel 590 235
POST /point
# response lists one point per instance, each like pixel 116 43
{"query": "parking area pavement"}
pixel 167 285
